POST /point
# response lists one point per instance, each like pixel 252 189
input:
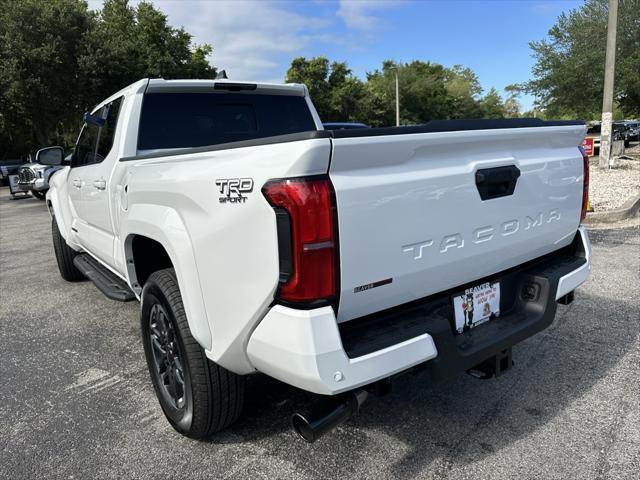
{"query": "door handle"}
pixel 77 183
pixel 100 184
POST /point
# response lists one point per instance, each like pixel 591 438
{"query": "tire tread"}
pixel 64 255
pixel 218 394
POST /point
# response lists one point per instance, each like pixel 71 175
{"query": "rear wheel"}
pixel 64 255
pixel 197 396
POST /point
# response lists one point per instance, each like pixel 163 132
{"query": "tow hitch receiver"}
pixel 567 299
pixel 493 367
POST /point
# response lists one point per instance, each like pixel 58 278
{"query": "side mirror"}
pixel 52 156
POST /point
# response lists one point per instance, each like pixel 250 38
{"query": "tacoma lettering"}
pixel 483 234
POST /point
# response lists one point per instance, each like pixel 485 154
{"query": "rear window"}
pixel 182 120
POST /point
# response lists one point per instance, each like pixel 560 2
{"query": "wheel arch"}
pixel 156 239
pixel 60 209
pixel 144 256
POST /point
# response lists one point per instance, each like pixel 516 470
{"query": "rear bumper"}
pixel 307 348
pixel 571 280
pixel 303 348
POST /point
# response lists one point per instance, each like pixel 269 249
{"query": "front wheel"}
pixel 64 255
pixel 197 396
pixel 39 195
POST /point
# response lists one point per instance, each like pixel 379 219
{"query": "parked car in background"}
pixel 9 167
pixel 594 132
pixel 633 129
pixel 34 178
pixel 620 132
pixel 343 125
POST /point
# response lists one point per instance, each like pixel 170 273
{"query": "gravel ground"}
pixel 610 189
pixel 633 150
pixel 77 401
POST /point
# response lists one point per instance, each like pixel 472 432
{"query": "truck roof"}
pixel 157 85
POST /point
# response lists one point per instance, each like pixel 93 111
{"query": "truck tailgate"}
pixel 412 221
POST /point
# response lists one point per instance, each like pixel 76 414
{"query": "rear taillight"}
pixel 307 238
pixel 585 184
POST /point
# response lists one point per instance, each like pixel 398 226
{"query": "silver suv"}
pixel 34 177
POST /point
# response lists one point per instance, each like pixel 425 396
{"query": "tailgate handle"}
pixel 497 182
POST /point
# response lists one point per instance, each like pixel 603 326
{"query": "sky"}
pixel 256 39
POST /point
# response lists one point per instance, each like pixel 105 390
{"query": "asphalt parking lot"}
pixel 76 400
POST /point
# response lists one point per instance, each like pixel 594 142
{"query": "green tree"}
pixel 464 90
pixel 427 91
pixel 379 107
pixel 336 93
pixel 492 105
pixel 511 107
pixel 58 59
pixel 423 93
pixel 511 104
pixel 129 43
pixel 39 46
pixel 569 70
pixel 313 73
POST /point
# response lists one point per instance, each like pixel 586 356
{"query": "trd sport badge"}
pixel 232 189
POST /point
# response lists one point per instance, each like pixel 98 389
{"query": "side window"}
pixel 95 142
pixel 86 146
pixel 108 130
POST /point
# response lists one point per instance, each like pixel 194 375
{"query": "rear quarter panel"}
pixel 225 254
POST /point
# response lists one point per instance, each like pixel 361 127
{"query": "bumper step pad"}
pixel 106 281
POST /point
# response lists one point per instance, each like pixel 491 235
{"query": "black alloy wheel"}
pixel 167 356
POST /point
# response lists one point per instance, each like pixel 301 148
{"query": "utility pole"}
pixel 607 100
pixel 397 100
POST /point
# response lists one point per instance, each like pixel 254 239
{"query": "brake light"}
pixel 585 184
pixel 311 269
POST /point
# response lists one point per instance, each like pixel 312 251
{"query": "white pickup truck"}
pixel 333 261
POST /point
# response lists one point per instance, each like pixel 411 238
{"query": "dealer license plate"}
pixel 476 306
